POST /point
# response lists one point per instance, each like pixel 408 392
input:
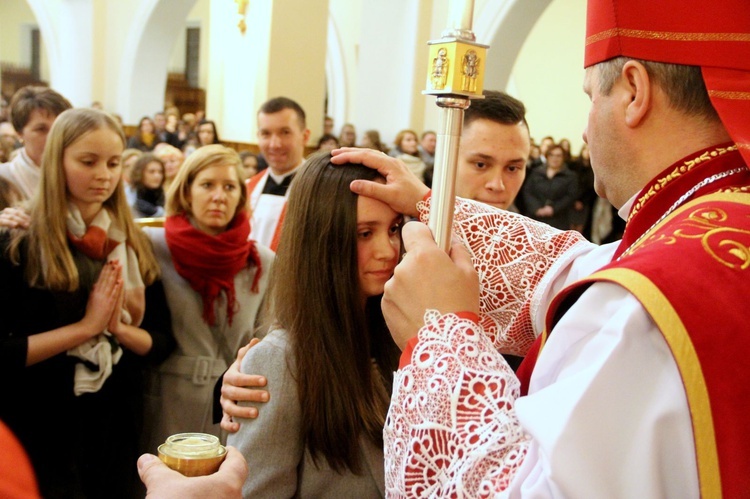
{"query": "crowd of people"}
pixel 92 292
pixel 283 305
pixel 148 318
pixel 160 144
pixel 559 192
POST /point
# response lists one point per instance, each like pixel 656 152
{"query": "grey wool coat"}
pixel 179 397
pixel 279 464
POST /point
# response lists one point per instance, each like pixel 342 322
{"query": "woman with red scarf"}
pixel 215 280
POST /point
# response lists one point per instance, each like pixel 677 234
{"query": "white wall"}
pixel 548 73
pixel 16 21
pixel 347 26
pixel 198 17
pixel 15 16
pixel 536 54
pixel 392 66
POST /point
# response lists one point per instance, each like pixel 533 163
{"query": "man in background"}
pixel 493 151
pixel 282 135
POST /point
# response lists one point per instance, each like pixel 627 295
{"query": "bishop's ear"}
pixel 639 87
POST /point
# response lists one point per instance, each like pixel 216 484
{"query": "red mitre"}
pixel 712 34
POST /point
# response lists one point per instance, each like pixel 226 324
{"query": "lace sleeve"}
pixel 511 254
pixel 452 430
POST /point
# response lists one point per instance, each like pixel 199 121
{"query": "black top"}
pixel 276 189
pixel 148 201
pixel 560 192
pixel 80 446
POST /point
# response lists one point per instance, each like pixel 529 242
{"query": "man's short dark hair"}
pixel 498 107
pixel 278 104
pixel 28 99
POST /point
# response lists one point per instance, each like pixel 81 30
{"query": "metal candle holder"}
pixel 455 76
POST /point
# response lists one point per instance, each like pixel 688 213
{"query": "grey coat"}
pixel 279 464
pixel 180 395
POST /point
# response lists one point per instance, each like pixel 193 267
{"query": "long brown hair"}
pixel 344 355
pixel 49 260
pixel 136 173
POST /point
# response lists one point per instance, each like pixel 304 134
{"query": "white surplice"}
pixel 266 212
pixel 606 414
pixel 606 411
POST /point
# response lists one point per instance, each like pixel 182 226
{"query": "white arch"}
pixel 69 51
pixel 505 27
pixel 44 14
pixel 148 46
pixel 336 87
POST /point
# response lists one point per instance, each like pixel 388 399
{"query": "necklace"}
pixel 683 198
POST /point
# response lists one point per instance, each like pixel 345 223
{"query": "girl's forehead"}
pixel 371 210
pixel 98 138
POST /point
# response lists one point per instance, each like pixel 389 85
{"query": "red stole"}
pixel 253 182
pixel 691 274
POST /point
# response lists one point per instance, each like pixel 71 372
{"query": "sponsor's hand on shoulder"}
pixel 238 386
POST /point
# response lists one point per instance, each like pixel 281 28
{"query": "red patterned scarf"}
pixel 210 263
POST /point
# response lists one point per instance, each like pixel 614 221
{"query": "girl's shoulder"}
pixel 273 353
pixel 157 237
pixel 276 339
pixel 12 274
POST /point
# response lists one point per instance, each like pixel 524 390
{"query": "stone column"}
pixel 281 53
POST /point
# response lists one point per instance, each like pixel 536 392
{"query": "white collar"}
pixel 280 178
pixel 624 210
